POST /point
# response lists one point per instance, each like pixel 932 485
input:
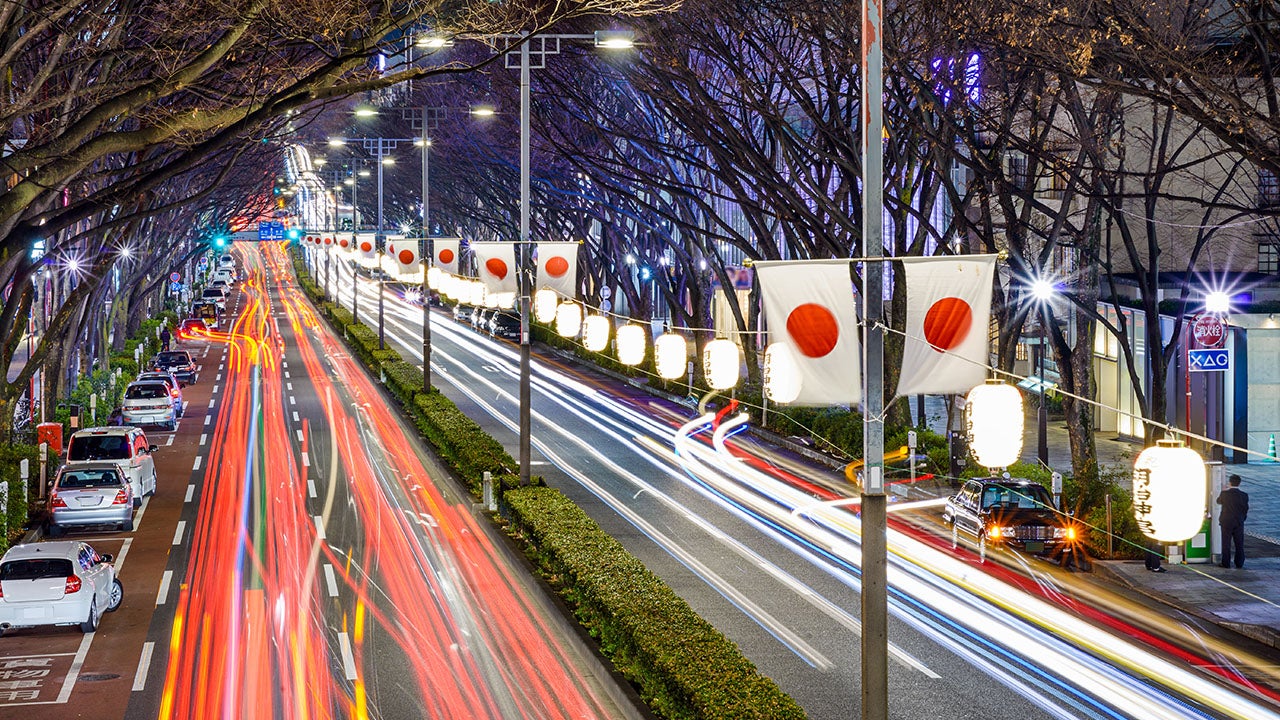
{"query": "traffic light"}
pixel 293 234
pixel 219 242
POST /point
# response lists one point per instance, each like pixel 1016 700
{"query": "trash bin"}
pixel 1198 549
pixel 51 433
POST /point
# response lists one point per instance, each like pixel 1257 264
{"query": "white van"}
pixel 125 446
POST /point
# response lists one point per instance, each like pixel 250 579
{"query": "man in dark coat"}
pixel 1235 510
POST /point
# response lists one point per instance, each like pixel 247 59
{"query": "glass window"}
pixel 98 447
pixel 35 569
pixel 1269 254
pixel 1268 188
pixel 146 391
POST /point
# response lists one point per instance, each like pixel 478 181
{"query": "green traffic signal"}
pixel 219 242
pixel 293 233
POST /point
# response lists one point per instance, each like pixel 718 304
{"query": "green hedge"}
pixel 403 380
pixel 19 507
pixel 682 665
pixel 461 442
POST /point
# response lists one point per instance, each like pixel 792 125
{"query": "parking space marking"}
pixel 311 488
pixel 137 518
pixel 203 438
pixel 179 531
pixel 144 664
pixel 191 492
pixel 163 594
pixel 348 660
pixel 319 527
pixel 330 580
pixel 169 441
pixel 196 466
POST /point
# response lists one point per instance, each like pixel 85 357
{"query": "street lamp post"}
pixel 426 119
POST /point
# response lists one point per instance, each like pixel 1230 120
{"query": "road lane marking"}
pixel 319 527
pixel 311 488
pixel 215 389
pixel 221 366
pixel 199 368
pixel 207 418
pixel 330 580
pixel 144 664
pixel 295 416
pixel 169 441
pixel 142 509
pixel 292 401
pixel 219 378
pixel 211 400
pixel 299 435
pixel 203 438
pixel 286 373
pixel 163 594
pixel 306 461
pixel 288 386
pixel 191 492
pixel 178 532
pixel 348 660
pixel 76 664
pixel 196 466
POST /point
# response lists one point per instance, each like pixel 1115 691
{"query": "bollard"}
pixel 93 409
pixel 912 439
pixel 1056 481
pixel 1111 551
pixel 4 509
pixel 44 465
pixel 486 486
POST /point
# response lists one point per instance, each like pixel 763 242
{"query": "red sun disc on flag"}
pixel 328 241
pixel 366 246
pixel 813 329
pixel 344 243
pixel 947 323
pixel 496 267
pixel 557 266
pixel 446 256
pixel 406 257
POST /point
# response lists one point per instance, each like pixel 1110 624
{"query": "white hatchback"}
pixel 57 583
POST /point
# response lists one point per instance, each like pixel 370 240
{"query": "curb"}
pixel 1261 633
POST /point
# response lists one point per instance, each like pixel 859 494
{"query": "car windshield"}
pixel 35 569
pixel 1028 497
pixel 211 293
pixel 88 478
pixel 98 447
pixel 172 358
pixel 146 391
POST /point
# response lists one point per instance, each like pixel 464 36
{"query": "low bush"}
pixel 462 443
pixel 17 512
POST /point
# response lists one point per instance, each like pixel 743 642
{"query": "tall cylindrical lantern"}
pixel 434 276
pixel 544 305
pixel 629 341
pixel 568 319
pixel 595 333
pixel 1170 492
pixel 721 363
pixel 993 419
pixel 781 373
pixel 476 293
pixel 670 353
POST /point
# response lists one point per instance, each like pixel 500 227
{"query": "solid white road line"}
pixel 179 531
pixel 191 492
pixel 330 580
pixel 196 465
pixel 348 660
pixel 144 664
pixel 319 526
pixel 163 594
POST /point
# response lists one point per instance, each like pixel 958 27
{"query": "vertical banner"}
pixel 446 255
pixel 497 264
pixel 558 268
pixel 948 320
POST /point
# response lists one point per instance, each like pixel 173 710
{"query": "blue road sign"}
pixel 271 230
pixel 1214 360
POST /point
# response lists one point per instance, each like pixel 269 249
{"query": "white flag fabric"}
pixel 368 251
pixel 948 316
pixel 497 264
pixel 809 306
pixel 446 254
pixel 406 255
pixel 558 268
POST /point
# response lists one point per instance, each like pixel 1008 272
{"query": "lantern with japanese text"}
pixel 1170 492
pixel 595 333
pixel 670 353
pixel 781 373
pixel 721 363
pixel 568 319
pixel 544 305
pixel 629 342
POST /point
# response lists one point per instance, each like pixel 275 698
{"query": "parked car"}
pixel 226 261
pixel 178 362
pixel 149 403
pixel 169 379
pixel 480 319
pixel 224 275
pixel 90 494
pixel 215 295
pixel 462 312
pixel 505 325
pixel 1008 511
pixel 193 328
pixel 64 582
pixel 125 446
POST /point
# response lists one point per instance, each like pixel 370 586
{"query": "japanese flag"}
pixel 558 268
pixel 405 255
pixel 344 243
pixel 948 317
pixel 497 263
pixel 810 308
pixel 368 251
pixel 446 255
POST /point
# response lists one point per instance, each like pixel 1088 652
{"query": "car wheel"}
pixel 137 502
pixel 127 525
pixel 91 623
pixel 116 596
pixel 982 548
pixel 54 530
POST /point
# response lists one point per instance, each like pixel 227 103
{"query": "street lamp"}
pixel 426 119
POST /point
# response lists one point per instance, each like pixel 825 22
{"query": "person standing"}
pixel 165 337
pixel 1235 510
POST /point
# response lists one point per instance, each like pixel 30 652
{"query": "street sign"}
pixel 1209 331
pixel 1209 360
pixel 175 276
pixel 271 230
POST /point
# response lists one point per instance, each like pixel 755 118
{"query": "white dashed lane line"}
pixel 311 488
pixel 163 594
pixel 306 461
pixel 300 438
pixel 179 532
pixel 211 401
pixel 348 660
pixel 203 438
pixel 330 580
pixel 196 466
pixel 295 416
pixel 292 401
pixel 144 664
pixel 319 527
pixel 215 389
pixel 207 418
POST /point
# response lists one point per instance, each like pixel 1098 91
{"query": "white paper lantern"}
pixel 492 300
pixel 475 293
pixel 569 319
pixel 721 363
pixel 434 276
pixel 544 305
pixel 629 341
pixel 782 381
pixel 993 419
pixel 1170 492
pixel 595 333
pixel 671 353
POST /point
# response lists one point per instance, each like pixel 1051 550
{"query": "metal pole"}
pixel 377 239
pixel 522 261
pixel 426 252
pixel 355 234
pixel 875 598
pixel 1042 417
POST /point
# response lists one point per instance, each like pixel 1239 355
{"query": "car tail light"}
pixel 57 502
pixel 72 586
pixel 173 393
pixel 121 498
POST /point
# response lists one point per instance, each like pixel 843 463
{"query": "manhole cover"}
pixel 97 677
